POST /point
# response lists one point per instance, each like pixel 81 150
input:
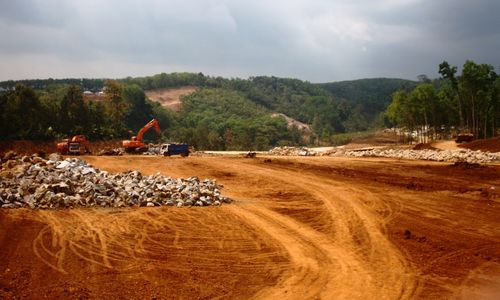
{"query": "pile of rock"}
pixel 462 155
pixel 292 151
pixel 31 181
pixel 111 152
pixel 153 149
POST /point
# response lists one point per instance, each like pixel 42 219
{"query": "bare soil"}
pixel 492 145
pixel 170 97
pixel 423 146
pixel 445 145
pixel 301 228
pixel 381 137
pixel 30 147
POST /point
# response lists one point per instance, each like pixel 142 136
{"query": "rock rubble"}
pixel 292 151
pixel 462 155
pixel 111 152
pixel 33 182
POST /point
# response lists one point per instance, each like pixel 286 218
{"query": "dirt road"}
pixel 301 228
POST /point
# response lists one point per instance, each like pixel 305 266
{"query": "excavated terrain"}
pixel 299 228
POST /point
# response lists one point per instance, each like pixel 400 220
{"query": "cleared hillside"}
pixel 170 98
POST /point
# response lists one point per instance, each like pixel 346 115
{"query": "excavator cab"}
pixel 135 144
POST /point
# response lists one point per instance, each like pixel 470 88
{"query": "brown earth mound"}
pixel 492 145
pixel 378 138
pixel 423 146
pixel 27 147
pixel 30 147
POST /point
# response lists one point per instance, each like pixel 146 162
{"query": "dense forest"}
pixel 234 114
pixel 369 97
pixel 465 103
pixel 221 114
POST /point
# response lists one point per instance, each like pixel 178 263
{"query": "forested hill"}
pixel 222 113
pixel 369 96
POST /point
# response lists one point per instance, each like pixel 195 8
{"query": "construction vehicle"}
pixel 464 138
pixel 173 149
pixel 135 144
pixel 76 145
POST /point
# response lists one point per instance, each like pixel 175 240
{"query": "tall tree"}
pixel 116 106
pixel 476 87
pixel 424 97
pixel 73 113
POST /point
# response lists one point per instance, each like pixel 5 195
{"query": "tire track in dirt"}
pixel 146 243
pixel 347 261
pixel 330 257
pixel 315 228
pixel 350 249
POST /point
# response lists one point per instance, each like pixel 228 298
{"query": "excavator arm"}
pixel 153 123
pixel 136 144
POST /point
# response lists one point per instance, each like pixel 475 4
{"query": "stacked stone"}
pixel 111 152
pixel 292 151
pixel 31 181
pixel 462 155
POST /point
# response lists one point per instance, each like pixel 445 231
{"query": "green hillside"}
pixel 224 114
pixel 369 97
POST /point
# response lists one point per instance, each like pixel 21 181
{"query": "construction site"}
pixel 353 222
pixel 249 150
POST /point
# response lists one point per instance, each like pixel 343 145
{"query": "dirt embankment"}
pixel 30 147
pixel 303 228
pixel 170 97
pixel 492 145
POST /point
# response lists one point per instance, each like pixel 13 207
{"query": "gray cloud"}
pixel 316 40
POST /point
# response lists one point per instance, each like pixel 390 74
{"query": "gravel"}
pixel 462 155
pixel 33 182
pixel 292 151
pixel 459 155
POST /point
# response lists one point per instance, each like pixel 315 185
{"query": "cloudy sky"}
pixel 315 40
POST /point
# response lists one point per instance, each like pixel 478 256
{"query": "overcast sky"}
pixel 315 40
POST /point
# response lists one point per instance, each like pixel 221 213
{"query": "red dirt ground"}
pixel 492 145
pixel 29 147
pixel 301 228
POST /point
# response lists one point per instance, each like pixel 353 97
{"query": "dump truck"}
pixel 174 149
pixel 135 144
pixel 76 145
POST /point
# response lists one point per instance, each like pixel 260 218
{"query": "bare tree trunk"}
pixel 473 119
pixel 426 128
pixel 460 112
pixel 485 125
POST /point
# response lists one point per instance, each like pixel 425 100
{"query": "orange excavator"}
pixel 136 144
pixel 75 145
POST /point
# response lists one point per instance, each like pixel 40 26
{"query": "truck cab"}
pixel 174 149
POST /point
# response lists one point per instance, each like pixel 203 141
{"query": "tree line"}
pixel 212 118
pixel 234 114
pixel 465 103
pixel 60 111
pixel 126 108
